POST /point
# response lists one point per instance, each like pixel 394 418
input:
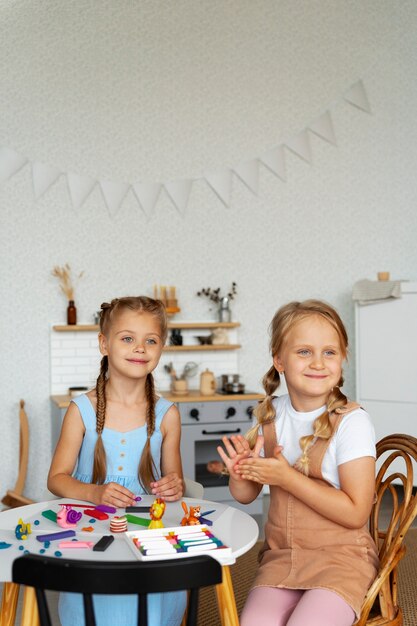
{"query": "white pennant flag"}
pixel 44 176
pixel 248 172
pixel 323 128
pixel 147 195
pixel 221 183
pixel 10 163
pixel 79 188
pixel 357 96
pixel 300 145
pixel 274 160
pixel 113 193
pixel 179 192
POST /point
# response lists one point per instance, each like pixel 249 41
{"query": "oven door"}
pixel 199 446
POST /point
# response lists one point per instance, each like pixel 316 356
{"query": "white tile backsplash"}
pixel 75 360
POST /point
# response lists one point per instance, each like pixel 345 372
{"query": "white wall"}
pixel 158 91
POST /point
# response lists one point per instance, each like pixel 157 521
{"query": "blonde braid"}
pixel 265 411
pixel 322 426
pixel 99 463
pixel 147 468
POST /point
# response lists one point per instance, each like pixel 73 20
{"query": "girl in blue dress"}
pixel 122 440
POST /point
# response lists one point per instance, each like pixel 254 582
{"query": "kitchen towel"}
pixel 371 291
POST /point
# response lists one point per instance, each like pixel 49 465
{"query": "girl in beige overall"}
pixel 316 451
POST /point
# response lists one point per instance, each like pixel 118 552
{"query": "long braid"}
pixel 147 468
pixel 322 427
pixel 265 411
pixel 99 463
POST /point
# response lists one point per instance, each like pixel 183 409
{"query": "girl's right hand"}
pixel 114 495
pixel 237 448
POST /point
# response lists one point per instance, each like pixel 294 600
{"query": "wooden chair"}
pixel 15 497
pixel 380 607
pixel 114 577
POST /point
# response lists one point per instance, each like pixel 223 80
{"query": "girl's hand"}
pixel 237 449
pixel 113 494
pixel 169 487
pixel 265 471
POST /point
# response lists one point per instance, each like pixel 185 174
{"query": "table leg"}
pixel 9 604
pixel 30 615
pixel 226 599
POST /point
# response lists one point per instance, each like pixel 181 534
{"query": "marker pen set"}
pixel 166 542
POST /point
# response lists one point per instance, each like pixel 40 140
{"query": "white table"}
pixel 235 528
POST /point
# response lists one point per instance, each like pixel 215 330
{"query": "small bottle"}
pixel 71 313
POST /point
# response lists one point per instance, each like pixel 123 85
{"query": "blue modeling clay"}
pixel 21 548
pixel 58 553
pixel 42 550
pixel 36 522
pixel 47 544
pixel 92 521
pixel 4 545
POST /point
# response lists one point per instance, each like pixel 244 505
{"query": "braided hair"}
pixel 283 321
pixel 147 467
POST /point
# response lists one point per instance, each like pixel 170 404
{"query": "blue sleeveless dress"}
pixel 123 451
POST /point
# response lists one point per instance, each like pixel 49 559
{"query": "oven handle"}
pixel 220 432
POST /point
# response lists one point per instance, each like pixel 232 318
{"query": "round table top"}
pixel 235 528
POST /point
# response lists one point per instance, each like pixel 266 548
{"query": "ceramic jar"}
pixel 207 383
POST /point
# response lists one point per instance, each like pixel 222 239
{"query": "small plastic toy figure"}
pixel 22 530
pixel 156 512
pixel 67 517
pixel 191 517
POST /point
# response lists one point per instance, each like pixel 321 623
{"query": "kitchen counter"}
pixel 193 395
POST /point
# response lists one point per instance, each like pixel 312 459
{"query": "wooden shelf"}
pixel 204 348
pixel 171 325
pixel 62 328
pixel 191 325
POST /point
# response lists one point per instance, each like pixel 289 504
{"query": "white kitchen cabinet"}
pixel 386 366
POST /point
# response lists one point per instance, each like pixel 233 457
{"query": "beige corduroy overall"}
pixel 303 549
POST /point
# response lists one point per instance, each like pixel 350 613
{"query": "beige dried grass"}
pixel 66 282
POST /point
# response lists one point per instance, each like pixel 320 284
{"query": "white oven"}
pixel 203 426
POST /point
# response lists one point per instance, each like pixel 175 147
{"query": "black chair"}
pixel 116 577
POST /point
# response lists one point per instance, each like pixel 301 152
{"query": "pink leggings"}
pixel 271 606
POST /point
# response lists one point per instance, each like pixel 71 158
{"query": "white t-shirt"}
pixel 354 438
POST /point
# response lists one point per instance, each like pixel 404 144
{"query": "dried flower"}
pixel 66 283
pixel 216 295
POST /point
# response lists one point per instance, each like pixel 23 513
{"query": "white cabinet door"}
pixel 386 345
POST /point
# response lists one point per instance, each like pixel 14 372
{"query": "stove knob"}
pixel 230 412
pixel 194 414
pixel 249 411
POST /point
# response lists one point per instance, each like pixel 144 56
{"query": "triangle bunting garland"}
pixel 10 163
pixel 114 194
pixel 274 160
pixel 221 183
pixel 178 191
pixel 248 172
pixel 147 195
pixel 323 128
pixel 79 188
pixel 357 96
pixel 44 176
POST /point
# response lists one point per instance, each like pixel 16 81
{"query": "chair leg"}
pixel 30 614
pixel 192 608
pixel 44 615
pixel 143 610
pixel 226 599
pixel 90 618
pixel 9 604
